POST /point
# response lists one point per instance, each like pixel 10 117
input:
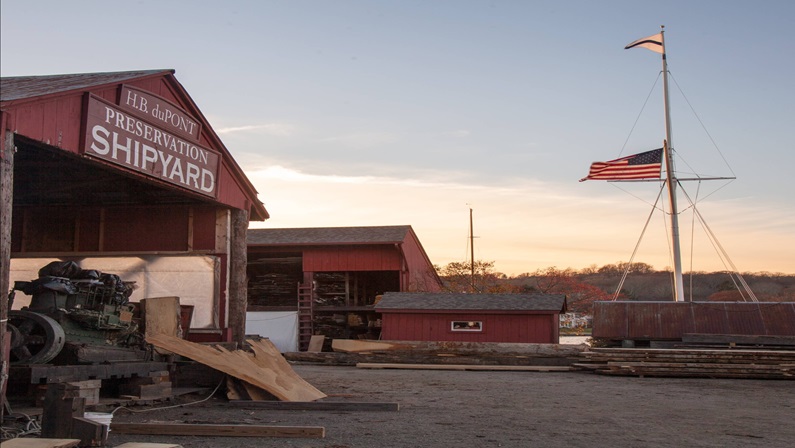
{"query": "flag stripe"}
pixel 646 165
pixel 653 43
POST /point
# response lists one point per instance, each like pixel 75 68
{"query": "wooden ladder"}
pixel 305 316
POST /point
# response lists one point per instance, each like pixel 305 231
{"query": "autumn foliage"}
pixel 586 286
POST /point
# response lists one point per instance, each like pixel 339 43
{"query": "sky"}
pixel 360 113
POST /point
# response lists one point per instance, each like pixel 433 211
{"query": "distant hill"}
pixel 642 283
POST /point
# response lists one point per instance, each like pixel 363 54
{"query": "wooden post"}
pixel 6 205
pixel 238 261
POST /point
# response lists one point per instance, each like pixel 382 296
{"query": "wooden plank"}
pixel 40 443
pixel 255 393
pixel 147 445
pixel 162 315
pixel 234 391
pixel 317 406
pixel 698 365
pixel 352 346
pixel 413 357
pixel 372 365
pixel 316 343
pixel 266 368
pixel 682 351
pixel 181 429
pixel 701 338
pixel 688 374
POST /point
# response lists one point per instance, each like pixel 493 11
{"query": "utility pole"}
pixel 472 249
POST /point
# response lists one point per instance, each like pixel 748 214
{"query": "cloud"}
pixel 362 139
pixel 521 224
pixel 274 129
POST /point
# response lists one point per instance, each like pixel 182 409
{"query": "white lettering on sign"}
pixel 123 139
pixel 160 110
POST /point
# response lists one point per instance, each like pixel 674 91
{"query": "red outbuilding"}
pixel 305 281
pixel 524 318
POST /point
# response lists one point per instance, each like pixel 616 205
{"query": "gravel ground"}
pixel 508 409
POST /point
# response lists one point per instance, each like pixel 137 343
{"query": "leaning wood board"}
pixel 183 429
pixel 266 368
pixel 372 365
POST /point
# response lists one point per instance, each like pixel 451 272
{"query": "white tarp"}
pixel 194 279
pixel 281 327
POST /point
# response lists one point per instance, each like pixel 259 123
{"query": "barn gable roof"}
pixel 18 91
pixel 471 302
pixel 329 235
pixel 26 87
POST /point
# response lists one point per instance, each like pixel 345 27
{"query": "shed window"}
pixel 464 325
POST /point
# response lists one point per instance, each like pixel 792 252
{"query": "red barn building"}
pixel 122 173
pixel 526 318
pixel 326 280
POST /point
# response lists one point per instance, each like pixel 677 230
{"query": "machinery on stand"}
pixel 73 309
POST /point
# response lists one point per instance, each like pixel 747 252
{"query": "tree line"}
pixel 643 283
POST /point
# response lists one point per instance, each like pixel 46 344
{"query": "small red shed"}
pixel 527 318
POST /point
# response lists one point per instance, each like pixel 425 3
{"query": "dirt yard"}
pixel 509 409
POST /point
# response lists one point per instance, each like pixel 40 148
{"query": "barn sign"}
pixel 122 138
pixel 160 111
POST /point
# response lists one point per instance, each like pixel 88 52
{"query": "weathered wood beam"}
pixel 238 259
pixel 317 406
pixel 365 365
pixel 701 338
pixel 183 429
pixel 40 443
pixel 6 206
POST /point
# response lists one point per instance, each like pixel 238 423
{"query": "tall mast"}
pixel 671 181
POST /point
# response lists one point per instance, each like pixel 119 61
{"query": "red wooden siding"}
pixel 146 229
pixel 229 189
pixel 204 222
pixel 497 327
pixel 351 258
pixel 89 228
pixel 420 276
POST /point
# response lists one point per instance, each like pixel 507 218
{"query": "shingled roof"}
pixel 328 235
pixel 23 87
pixel 471 302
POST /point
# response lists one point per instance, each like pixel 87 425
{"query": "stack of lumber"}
pixel 700 340
pixel 751 364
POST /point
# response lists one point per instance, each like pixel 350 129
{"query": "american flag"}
pixel 645 165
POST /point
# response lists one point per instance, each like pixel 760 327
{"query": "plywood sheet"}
pixel 162 316
pixel 316 343
pixel 265 368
